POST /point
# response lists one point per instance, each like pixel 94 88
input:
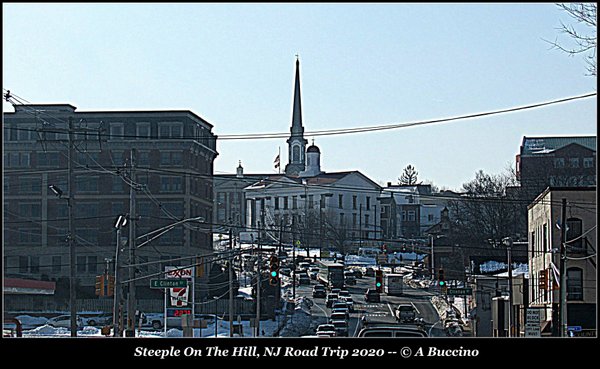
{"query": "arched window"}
pixel 295 154
pixel 574 284
pixel 574 231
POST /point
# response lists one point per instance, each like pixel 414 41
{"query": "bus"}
pixel 393 284
pixel 331 274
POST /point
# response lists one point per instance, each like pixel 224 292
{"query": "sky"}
pixel 361 65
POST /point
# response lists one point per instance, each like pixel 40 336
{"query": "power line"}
pixel 331 132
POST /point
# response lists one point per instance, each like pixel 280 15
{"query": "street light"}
pixel 72 293
pixel 120 223
pixel 160 231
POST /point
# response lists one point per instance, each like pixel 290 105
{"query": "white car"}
pixel 64 321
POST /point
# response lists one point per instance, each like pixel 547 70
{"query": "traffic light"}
pixel 441 278
pixel 543 281
pixel 100 285
pixel 274 270
pixel 110 290
pixel 379 281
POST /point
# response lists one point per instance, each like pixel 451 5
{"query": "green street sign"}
pixel 453 291
pixel 168 283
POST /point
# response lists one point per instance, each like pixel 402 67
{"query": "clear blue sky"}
pixel 361 65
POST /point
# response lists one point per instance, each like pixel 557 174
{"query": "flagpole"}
pixel 279 156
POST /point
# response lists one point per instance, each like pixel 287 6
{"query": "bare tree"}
pixel 585 43
pixel 409 176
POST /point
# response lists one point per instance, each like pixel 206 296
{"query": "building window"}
pixel 81 264
pixel 285 203
pixel 17 160
pixel 23 264
pixel 34 264
pixel 88 184
pixel 342 219
pixel 174 208
pixel 30 210
pixel 116 158
pixel 367 221
pixel 574 239
pixel 559 162
pixel 170 130
pixel 170 184
pixel 117 208
pixel 341 201
pixel 92 264
pixel 117 184
pixel 56 264
pixel 354 202
pixel 87 209
pixel 574 284
pixel 354 219
pixel 142 131
pixel 171 158
pixel 30 185
pixel 310 201
pixel 47 159
pixel 574 162
pixel 143 208
pixel 143 158
pixel 368 203
pixel 276 203
pixel 294 202
pixel 588 162
pixel 411 216
pixel 116 131
pixel 403 215
pixel 430 217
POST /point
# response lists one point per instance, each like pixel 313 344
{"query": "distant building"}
pixel 557 162
pixel 175 151
pixel 544 262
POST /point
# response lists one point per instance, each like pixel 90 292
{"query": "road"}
pixel 376 312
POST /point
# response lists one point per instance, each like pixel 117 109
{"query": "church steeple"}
pixel 296 142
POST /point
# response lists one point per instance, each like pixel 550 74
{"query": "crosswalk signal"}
pixel 379 281
pixel 99 285
pixel 274 270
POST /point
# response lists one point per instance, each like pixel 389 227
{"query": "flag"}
pixel 277 162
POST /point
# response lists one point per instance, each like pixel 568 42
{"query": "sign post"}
pixel 177 284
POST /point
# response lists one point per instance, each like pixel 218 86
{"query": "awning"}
pixel 18 286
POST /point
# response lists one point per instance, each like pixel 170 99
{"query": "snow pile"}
pixel 47 330
pixel 359 260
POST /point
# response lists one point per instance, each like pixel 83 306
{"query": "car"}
pixel 372 296
pixel 313 273
pixel 319 291
pixel 343 310
pixel 303 279
pixel 391 331
pixel 330 299
pixel 336 290
pixel 326 330
pixel 344 293
pixel 285 271
pixel 369 272
pixel 64 321
pixel 98 319
pixel 350 280
pixel 338 315
pixel 405 313
pixel 349 302
pixel 341 327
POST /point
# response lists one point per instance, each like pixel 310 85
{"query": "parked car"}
pixel 98 320
pixel 303 279
pixel 330 299
pixel 64 321
pixel 350 280
pixel 319 291
pixel 336 290
pixel 372 296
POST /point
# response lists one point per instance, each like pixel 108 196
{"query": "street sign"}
pixel 574 328
pixel 168 283
pixel 454 291
pixel 532 323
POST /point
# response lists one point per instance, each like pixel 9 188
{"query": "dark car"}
pixel 372 296
pixel 330 299
pixel 319 291
pixel 391 331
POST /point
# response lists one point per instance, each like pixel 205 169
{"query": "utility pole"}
pixel 509 242
pixel 258 278
pixel 71 204
pixel 230 283
pixel 563 270
pixel 131 303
